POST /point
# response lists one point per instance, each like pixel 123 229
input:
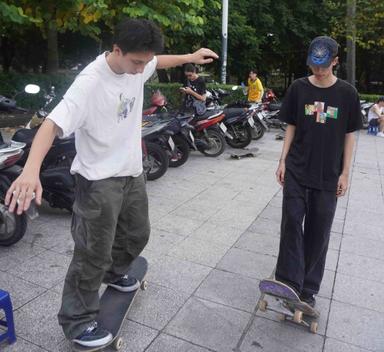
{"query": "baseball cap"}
pixel 322 51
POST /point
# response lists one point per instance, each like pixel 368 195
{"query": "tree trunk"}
pixel 351 41
pixel 7 53
pixel 52 48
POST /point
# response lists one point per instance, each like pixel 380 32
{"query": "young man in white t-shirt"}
pixel 110 224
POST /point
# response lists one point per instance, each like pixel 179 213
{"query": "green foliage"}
pixel 14 84
pixel 10 13
pixel 370 97
pixel 269 35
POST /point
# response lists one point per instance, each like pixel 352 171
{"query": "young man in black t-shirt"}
pixel 322 112
pixel 195 90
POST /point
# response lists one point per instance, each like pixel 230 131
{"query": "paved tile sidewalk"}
pixel 215 234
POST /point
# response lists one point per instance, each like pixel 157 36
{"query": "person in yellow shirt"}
pixel 255 87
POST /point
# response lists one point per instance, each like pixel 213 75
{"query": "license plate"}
pixel 191 136
pixel 171 143
pixel 251 122
pixel 223 127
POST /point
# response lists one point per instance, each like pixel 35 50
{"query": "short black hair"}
pixel 190 68
pixel 254 71
pixel 138 35
pixel 380 99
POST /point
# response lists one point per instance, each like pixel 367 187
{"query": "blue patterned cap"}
pixel 322 51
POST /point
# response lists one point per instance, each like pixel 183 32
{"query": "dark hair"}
pixel 254 71
pixel 190 68
pixel 138 35
pixel 380 99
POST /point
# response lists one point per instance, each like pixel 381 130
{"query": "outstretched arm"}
pixel 200 57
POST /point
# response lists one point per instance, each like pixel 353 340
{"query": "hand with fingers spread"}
pixel 203 56
pixel 22 191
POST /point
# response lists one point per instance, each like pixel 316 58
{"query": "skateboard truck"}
pixel 289 307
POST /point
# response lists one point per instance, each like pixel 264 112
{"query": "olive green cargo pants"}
pixel 110 227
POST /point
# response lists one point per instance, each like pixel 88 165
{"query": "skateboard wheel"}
pixel 313 327
pixel 298 316
pixel 263 304
pixel 118 343
pixel 144 285
pixel 281 317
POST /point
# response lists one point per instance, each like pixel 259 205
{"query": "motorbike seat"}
pixel 210 114
pixel 275 106
pixel 25 135
pixel 233 112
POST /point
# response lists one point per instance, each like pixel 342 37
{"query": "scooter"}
pixel 12 226
pixel 57 182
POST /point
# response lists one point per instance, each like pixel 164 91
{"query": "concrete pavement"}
pixel 215 234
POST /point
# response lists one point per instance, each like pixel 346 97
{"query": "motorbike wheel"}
pixel 258 131
pixel 216 143
pixel 12 226
pixel 242 136
pixel 155 161
pixel 182 151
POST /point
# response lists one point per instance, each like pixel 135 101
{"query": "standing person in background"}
pixel 255 88
pixel 376 116
pixel 322 113
pixel 110 223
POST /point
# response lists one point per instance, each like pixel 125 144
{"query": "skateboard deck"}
pixel 289 307
pixel 115 305
pixel 241 156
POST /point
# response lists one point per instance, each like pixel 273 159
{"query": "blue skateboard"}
pixel 289 306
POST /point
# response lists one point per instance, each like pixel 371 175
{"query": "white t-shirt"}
pixel 104 110
pixel 372 114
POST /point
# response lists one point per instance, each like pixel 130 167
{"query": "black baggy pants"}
pixel 305 230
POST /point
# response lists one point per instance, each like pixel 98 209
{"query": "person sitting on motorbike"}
pixel 376 116
pixel 255 88
pixel 194 90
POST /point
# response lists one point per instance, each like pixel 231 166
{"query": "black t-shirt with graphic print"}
pixel 322 117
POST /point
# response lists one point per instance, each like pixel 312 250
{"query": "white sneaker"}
pixel 380 134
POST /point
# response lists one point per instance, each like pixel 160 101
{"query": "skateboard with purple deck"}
pixel 289 306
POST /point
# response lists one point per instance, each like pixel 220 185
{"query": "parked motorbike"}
pixel 204 133
pixel 158 104
pixel 57 182
pixel 365 106
pixel 179 154
pixel 12 226
pixel 209 132
pixel 240 123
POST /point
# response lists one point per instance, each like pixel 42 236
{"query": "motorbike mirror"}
pixel 235 88
pixel 32 89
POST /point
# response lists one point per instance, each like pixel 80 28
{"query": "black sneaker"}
pixel 93 336
pixel 125 284
pixel 309 299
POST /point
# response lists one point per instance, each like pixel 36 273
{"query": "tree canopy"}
pixel 270 36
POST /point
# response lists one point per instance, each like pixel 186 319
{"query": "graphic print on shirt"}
pixel 320 113
pixel 125 107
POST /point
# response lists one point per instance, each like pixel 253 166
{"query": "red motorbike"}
pixel 158 104
pixel 208 132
